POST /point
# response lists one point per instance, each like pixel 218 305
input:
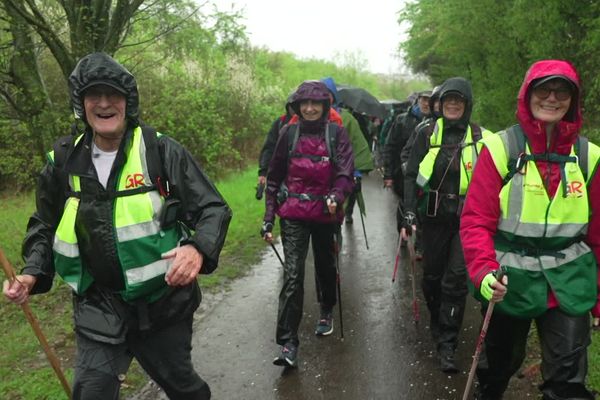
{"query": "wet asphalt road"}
pixel 384 354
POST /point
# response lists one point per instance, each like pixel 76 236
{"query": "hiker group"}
pixel 128 219
pixel 486 209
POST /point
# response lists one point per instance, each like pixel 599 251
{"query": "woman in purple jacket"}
pixel 309 175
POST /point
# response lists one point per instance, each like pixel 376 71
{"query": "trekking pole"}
pixel 362 210
pixel 336 249
pixel 277 254
pixel 397 259
pixel 54 362
pixel 482 334
pixel 413 258
pixel 362 221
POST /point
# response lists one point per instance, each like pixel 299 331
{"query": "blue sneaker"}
pixel 288 357
pixel 325 324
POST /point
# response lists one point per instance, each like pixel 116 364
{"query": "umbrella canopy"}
pixel 361 101
pixel 391 103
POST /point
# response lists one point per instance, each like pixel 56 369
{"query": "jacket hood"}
pixel 288 104
pixel 311 90
pixel 568 128
pixel 463 87
pixel 435 96
pixel 102 69
pixel 331 86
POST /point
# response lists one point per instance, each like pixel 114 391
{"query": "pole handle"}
pixel 54 362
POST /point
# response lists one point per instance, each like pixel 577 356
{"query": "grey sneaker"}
pixel 325 324
pixel 288 357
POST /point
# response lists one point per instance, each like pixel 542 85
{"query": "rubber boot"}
pixel 565 391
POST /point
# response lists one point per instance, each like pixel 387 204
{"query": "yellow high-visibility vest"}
pixel 139 236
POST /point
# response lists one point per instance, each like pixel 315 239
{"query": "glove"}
pixel 267 227
pixel 410 219
pixel 486 289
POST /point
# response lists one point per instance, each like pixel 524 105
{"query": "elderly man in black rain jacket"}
pixel 128 219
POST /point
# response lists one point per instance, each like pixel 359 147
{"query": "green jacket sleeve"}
pixel 360 147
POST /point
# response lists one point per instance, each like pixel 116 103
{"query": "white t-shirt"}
pixel 103 161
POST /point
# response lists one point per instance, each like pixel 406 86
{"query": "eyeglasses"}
pixel 95 94
pixel 561 93
pixel 453 98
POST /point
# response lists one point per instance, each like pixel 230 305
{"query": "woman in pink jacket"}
pixel 532 210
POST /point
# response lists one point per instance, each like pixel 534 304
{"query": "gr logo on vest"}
pixel 574 189
pixel 134 180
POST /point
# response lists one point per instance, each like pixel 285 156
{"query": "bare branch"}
pixel 39 23
pixel 165 32
pixel 8 98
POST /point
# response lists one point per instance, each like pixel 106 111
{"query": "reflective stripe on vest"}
pixel 539 239
pixel 140 240
pixel 468 156
pixel 67 261
pixel 526 209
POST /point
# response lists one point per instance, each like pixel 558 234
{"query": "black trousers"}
pixel 165 355
pixel 295 236
pixel 564 340
pixel 444 280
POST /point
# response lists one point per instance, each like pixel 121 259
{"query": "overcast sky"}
pixel 320 28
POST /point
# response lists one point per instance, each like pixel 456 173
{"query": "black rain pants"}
pixel 164 354
pixel 444 281
pixel 295 236
pixel 564 340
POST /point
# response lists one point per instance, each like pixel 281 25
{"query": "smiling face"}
pixel 105 111
pixel 550 101
pixel 311 110
pixel 453 106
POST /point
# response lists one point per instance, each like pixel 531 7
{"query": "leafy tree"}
pixel 493 43
pixel 57 34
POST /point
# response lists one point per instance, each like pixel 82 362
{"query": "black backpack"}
pixel 517 157
pixel 330 141
pixel 64 146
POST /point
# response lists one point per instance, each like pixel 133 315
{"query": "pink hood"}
pixel 535 130
pixel 566 131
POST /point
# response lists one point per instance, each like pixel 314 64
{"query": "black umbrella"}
pixel 361 101
pixel 391 103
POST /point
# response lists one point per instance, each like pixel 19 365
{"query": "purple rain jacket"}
pixel 312 176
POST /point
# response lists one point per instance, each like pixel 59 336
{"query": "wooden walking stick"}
pixel 10 274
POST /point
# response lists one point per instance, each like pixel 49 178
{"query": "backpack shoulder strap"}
pixel 155 160
pixel 516 148
pixel 581 150
pixel 516 141
pixel 61 148
pixel 331 141
pixel 293 134
pixel 476 134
